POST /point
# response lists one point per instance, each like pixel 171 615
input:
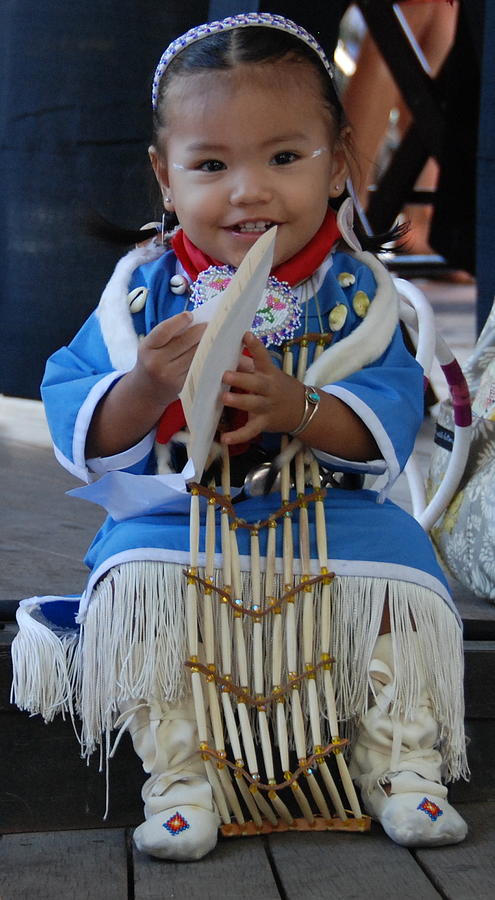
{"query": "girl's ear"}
pixel 161 173
pixel 339 169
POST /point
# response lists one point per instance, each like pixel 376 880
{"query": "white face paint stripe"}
pixel 319 152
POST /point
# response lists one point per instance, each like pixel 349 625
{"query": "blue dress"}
pixel 126 637
pixel 368 534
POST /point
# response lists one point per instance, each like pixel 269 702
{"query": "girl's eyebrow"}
pixel 205 147
pixel 286 138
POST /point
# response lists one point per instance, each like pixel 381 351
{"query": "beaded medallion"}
pixel 278 314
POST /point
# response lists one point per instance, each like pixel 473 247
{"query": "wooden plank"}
pixel 48 533
pixel 31 571
pixel 480 735
pixel 467 869
pixel 317 866
pixel 6 637
pixel 480 673
pixel 8 609
pixel 79 865
pixel 478 614
pixel 24 421
pixel 238 867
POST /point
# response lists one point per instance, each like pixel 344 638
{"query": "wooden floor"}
pixel 78 865
pixel 40 552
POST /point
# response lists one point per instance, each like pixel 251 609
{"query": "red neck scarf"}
pixel 295 270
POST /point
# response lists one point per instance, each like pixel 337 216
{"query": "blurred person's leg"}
pixel 371 94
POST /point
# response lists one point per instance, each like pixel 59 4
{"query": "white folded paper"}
pixel 125 496
pixel 233 312
pixel 229 315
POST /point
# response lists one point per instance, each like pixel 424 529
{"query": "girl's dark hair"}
pixel 252 45
pixel 226 50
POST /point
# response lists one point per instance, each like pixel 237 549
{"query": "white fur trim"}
pixel 367 342
pixel 363 346
pixel 113 312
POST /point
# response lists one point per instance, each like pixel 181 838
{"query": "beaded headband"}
pixel 268 20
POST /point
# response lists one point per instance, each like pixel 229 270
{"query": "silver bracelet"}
pixel 311 403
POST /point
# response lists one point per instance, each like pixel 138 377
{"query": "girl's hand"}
pixel 164 358
pixel 133 406
pixel 273 400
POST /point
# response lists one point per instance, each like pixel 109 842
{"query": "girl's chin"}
pixel 243 240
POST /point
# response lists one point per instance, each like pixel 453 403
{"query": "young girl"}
pixel 249 134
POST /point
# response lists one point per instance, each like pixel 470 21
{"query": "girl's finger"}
pixel 247 402
pixel 258 351
pixel 165 331
pixel 246 364
pixel 247 432
pixel 249 382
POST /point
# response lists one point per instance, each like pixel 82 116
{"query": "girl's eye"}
pixel 284 158
pixel 211 165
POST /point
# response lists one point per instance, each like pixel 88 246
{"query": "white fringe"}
pixel 43 666
pixel 415 612
pixel 133 644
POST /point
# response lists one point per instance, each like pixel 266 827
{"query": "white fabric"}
pixel 397 764
pixel 141 605
pixel 405 819
pixel 181 818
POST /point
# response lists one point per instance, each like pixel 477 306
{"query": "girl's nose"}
pixel 250 187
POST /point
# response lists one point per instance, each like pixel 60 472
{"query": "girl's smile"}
pixel 245 150
pixel 247 232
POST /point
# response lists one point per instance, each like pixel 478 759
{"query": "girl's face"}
pixel 247 149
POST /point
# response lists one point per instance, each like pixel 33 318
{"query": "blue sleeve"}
pixel 388 396
pixel 76 378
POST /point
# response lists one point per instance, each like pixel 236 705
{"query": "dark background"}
pixel 74 130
